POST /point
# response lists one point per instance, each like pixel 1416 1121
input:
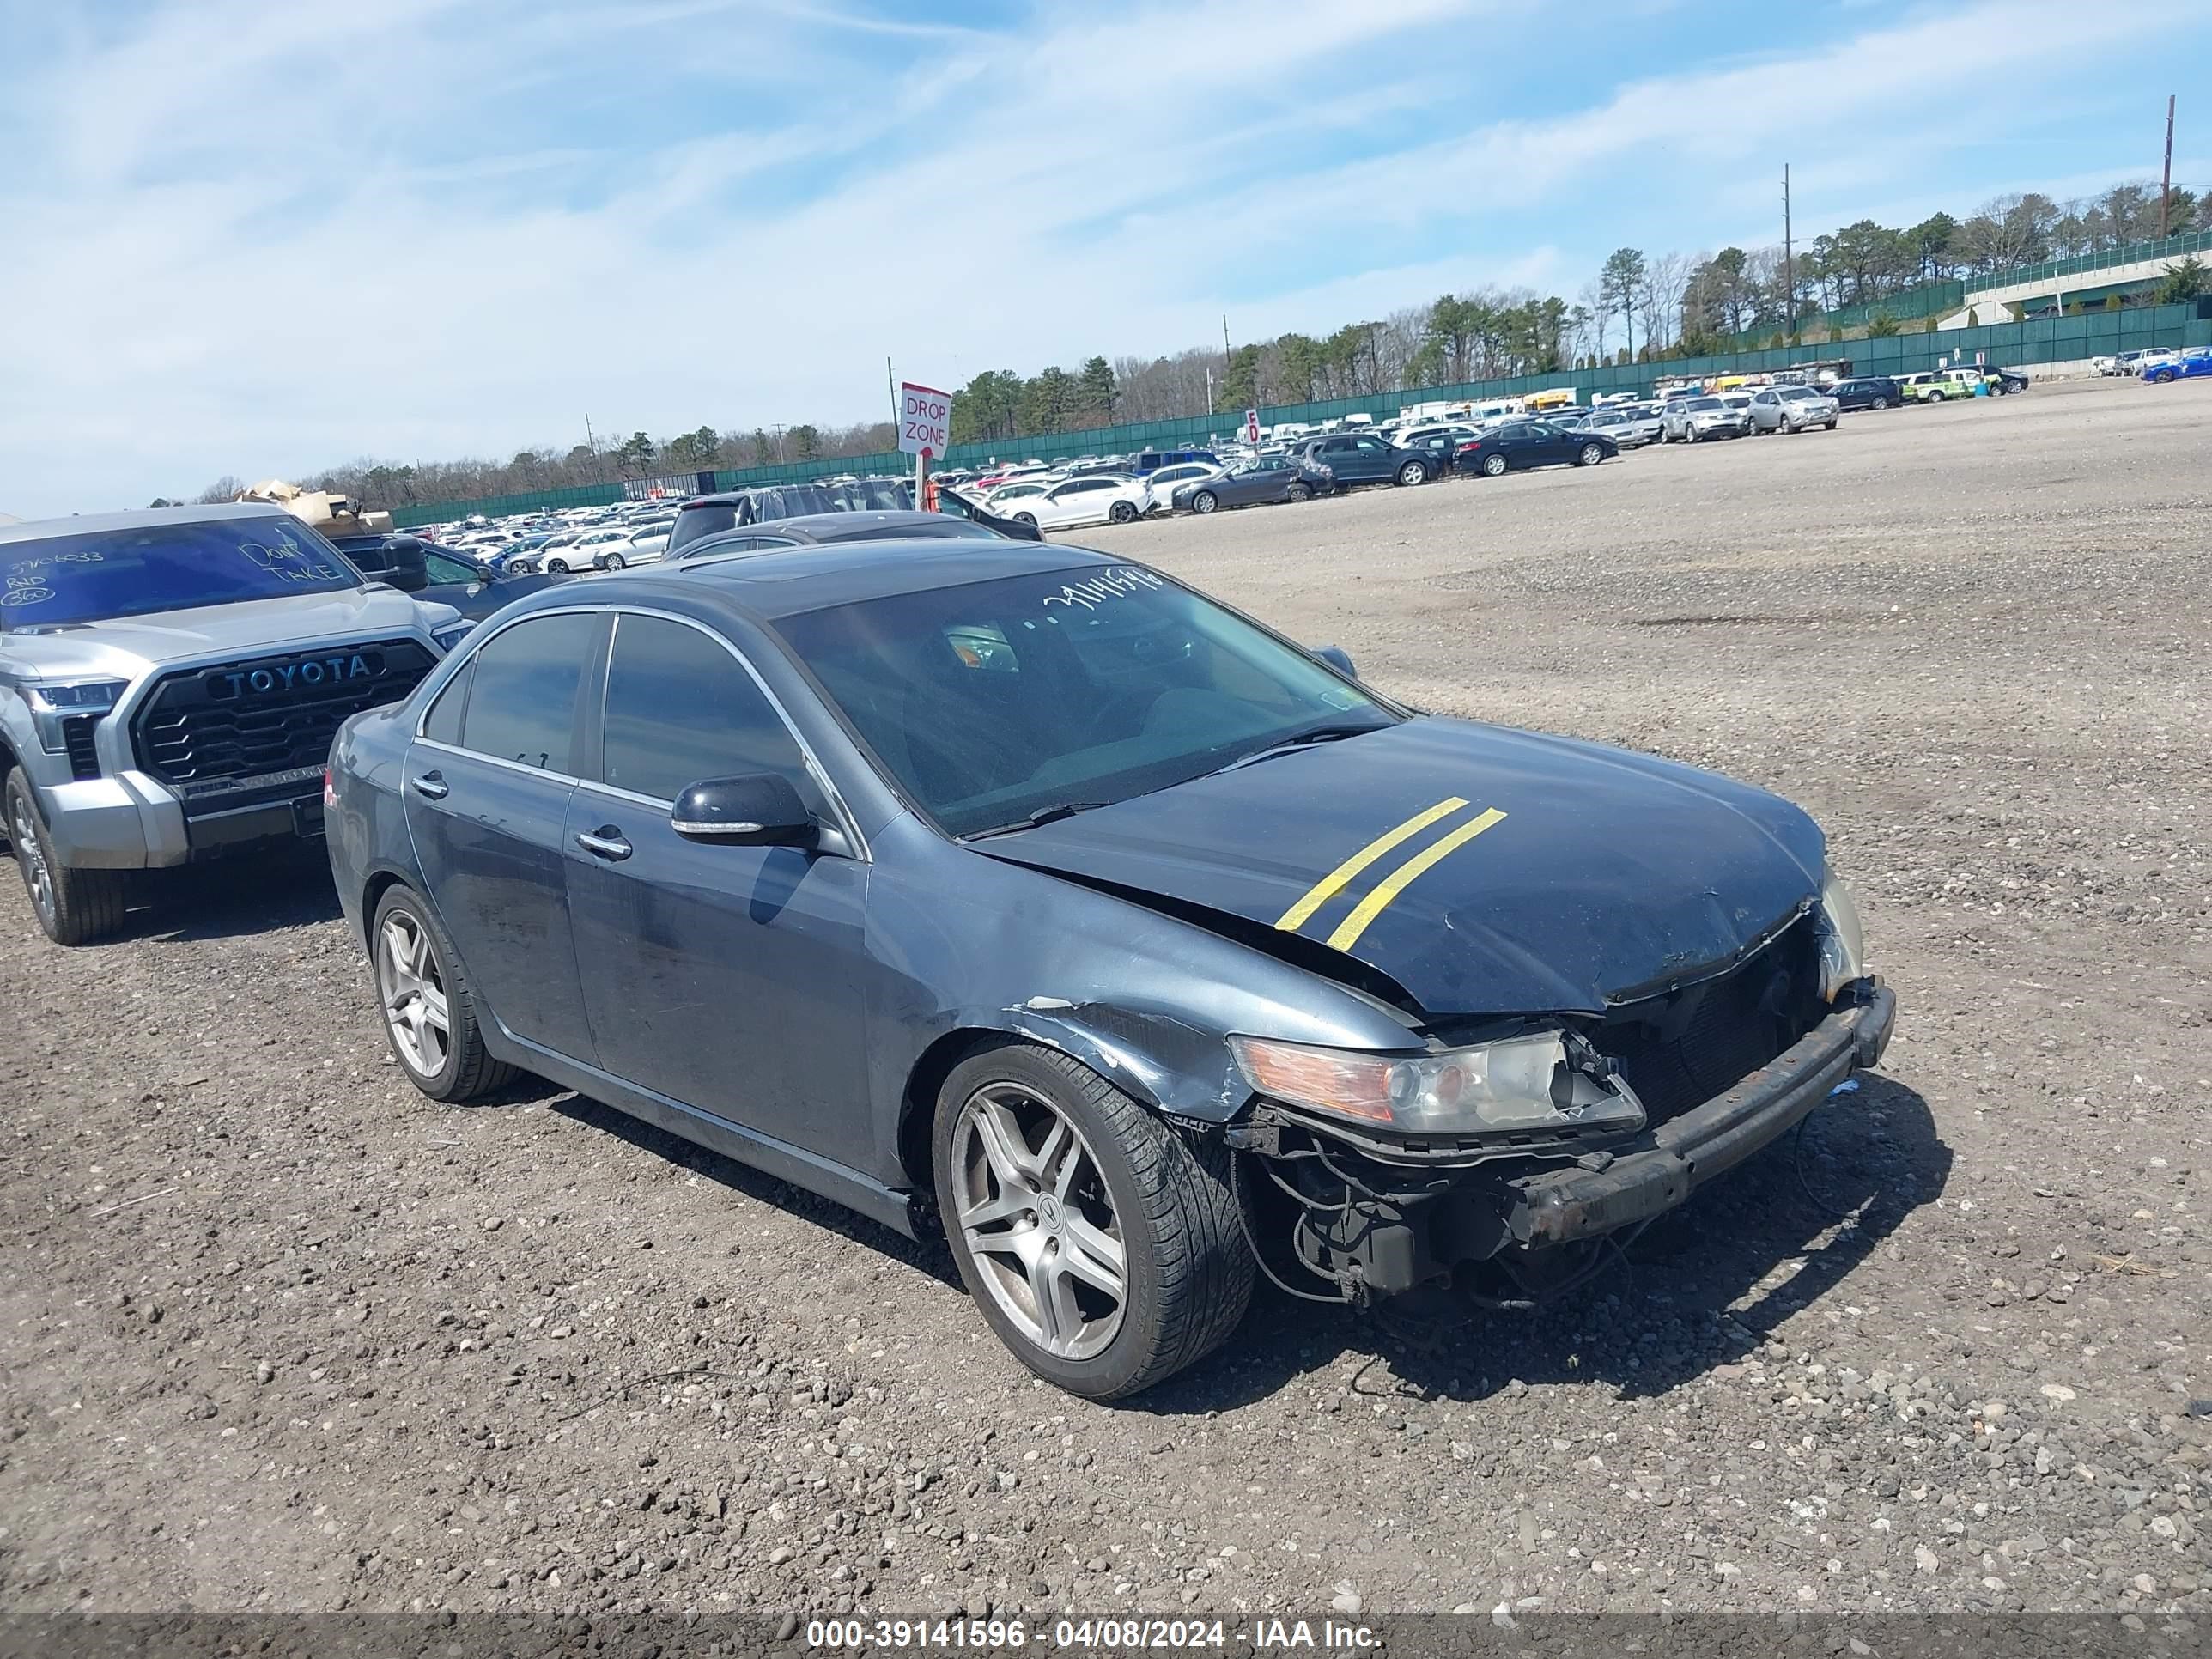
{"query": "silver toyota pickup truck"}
pixel 169 684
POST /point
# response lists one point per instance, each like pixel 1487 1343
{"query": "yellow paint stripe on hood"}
pixel 1331 883
pixel 1377 900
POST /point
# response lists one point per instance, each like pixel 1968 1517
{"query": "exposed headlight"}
pixel 1843 943
pixel 452 635
pixel 50 704
pixel 1514 1083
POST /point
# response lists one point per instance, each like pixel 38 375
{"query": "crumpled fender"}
pixel 1163 1061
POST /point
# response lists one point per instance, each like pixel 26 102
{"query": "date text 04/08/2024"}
pixel 1088 1635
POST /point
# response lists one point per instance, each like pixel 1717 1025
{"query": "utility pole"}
pixel 1789 264
pixel 590 442
pixel 2165 183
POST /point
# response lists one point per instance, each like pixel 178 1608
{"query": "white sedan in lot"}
pixel 1081 502
pixel 593 551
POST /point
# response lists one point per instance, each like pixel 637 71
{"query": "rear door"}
pixel 488 786
pixel 733 979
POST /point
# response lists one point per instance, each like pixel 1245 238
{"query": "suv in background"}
pixel 1358 458
pixel 170 681
pixel 1868 391
pixel 1152 460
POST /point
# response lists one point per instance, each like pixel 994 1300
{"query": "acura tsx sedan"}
pixel 1018 893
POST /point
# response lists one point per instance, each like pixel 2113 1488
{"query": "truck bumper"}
pixel 131 822
pixel 1560 1206
pixel 128 821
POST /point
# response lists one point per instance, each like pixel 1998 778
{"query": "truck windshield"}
pixel 103 574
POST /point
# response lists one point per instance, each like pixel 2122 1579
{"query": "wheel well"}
pixel 372 895
pixel 918 1106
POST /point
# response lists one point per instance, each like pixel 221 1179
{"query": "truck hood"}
pixel 1598 876
pixel 133 647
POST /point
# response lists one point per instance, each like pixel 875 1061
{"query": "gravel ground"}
pixel 281 1335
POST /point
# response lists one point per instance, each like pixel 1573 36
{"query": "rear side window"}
pixel 681 709
pixel 522 698
pixel 444 724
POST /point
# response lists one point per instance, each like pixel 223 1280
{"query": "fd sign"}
pixel 925 419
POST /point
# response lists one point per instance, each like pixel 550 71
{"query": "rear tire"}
pixel 1494 466
pixel 74 907
pixel 1029 518
pixel 616 562
pixel 1131 1185
pixel 414 980
pixel 1122 512
pixel 1879 403
pixel 1205 501
pixel 556 567
pixel 1300 492
pixel 1932 397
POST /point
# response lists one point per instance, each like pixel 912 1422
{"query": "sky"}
pixel 263 237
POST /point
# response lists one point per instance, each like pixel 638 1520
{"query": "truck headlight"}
pixel 450 635
pixel 1516 1083
pixel 1843 942
pixel 51 704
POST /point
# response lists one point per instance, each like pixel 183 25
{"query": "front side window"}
pixel 98 575
pixel 522 694
pixel 990 701
pixel 681 709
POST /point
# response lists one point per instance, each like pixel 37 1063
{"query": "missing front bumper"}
pixel 1562 1205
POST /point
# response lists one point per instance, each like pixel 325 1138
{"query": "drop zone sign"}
pixel 925 419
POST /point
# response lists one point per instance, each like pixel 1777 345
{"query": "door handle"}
pixel 431 785
pixel 606 842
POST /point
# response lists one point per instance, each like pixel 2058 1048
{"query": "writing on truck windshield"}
pixel 101 575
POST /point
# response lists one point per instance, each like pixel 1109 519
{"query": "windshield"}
pixel 103 574
pixel 1704 402
pixel 995 700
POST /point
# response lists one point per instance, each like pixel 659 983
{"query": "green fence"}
pixel 2173 248
pixel 2048 340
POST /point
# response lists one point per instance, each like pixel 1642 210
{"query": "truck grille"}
pixel 218 730
pixel 1681 1049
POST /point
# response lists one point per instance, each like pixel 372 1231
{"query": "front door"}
pixel 487 788
pixel 731 978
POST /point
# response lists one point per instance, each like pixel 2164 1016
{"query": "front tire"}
pixel 1102 1247
pixel 1591 456
pixel 430 1007
pixel 74 907
pixel 1205 501
pixel 1411 474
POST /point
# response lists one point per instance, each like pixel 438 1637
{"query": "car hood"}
pixel 1602 875
pixel 132 646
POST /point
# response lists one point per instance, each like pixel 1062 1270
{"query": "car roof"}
pixel 788 583
pixel 35 530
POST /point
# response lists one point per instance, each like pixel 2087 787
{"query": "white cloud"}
pixel 254 237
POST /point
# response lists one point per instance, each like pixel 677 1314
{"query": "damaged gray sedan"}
pixel 1027 895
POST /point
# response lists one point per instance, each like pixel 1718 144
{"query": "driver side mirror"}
pixel 1337 658
pixel 757 810
pixel 405 566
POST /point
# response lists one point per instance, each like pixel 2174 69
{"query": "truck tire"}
pixel 74 907
pixel 1104 1248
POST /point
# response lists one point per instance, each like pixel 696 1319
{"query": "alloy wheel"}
pixel 414 995
pixel 23 831
pixel 1032 1207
